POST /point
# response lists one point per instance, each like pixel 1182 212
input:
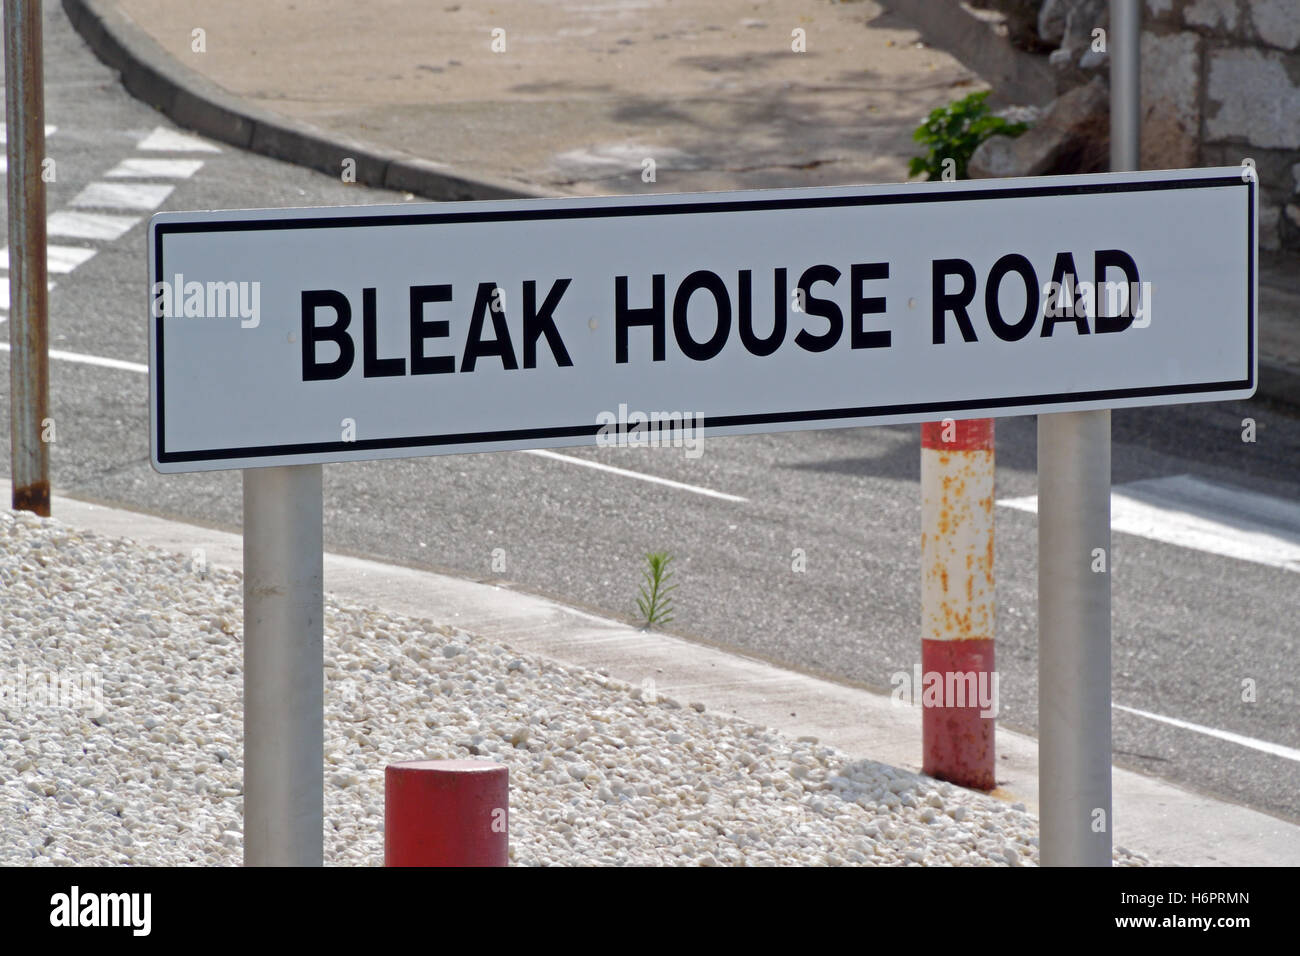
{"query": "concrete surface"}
pixel 583 92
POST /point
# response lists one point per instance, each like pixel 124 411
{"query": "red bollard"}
pixel 446 813
pixel 957 602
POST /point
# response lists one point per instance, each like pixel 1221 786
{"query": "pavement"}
pixel 521 98
pixel 1165 823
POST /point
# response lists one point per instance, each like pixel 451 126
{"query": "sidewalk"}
pixel 577 101
pixel 1164 823
pixel 580 95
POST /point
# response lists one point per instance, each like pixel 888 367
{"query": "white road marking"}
pixel 569 459
pixel 134 168
pixel 88 225
pixel 172 141
pixel 123 195
pixel 49 131
pixel 4 292
pixel 1193 513
pixel 1277 750
pixel 57 258
pixel 91 360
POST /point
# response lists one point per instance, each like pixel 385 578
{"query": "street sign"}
pixel 297 336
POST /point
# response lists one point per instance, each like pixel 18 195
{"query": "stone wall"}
pixel 1220 83
pixel 1224 83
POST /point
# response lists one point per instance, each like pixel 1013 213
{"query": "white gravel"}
pixel 598 775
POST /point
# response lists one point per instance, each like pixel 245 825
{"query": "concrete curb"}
pixel 151 74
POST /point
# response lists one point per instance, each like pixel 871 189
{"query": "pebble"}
pixel 597 777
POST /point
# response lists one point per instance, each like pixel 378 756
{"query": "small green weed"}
pixel 654 602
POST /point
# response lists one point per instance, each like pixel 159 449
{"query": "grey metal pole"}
pixel 29 378
pixel 1074 564
pixel 1074 639
pixel 284 659
pixel 1125 43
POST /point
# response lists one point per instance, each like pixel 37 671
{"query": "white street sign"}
pixel 293 336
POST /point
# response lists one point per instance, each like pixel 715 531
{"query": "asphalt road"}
pixel 1189 625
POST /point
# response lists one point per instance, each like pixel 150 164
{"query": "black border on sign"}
pixel 669 209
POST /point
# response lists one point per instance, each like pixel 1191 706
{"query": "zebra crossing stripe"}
pixel 170 140
pixel 123 195
pixel 102 226
pixel 57 258
pixel 49 131
pixel 71 224
pixel 4 294
pixel 135 168
pixel 4 159
pixel 1191 512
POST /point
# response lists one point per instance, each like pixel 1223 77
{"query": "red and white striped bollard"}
pixel 957 601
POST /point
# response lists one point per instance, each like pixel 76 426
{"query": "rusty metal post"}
pixel 29 379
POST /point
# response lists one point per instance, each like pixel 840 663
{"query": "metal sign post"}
pixel 1074 565
pixel 284 667
pixel 1074 639
pixel 29 379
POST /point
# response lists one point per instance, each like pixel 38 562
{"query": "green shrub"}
pixel 953 132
